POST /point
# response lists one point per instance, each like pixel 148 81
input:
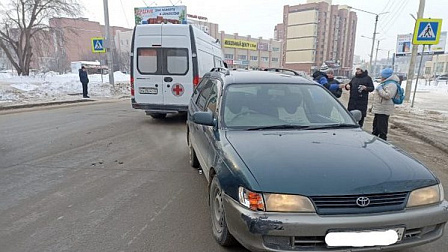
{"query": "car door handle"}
pixel 168 79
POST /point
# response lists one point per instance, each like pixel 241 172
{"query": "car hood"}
pixel 327 162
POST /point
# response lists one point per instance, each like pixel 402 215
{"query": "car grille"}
pixel 347 204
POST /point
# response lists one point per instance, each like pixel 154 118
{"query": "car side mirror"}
pixel 357 115
pixel 204 118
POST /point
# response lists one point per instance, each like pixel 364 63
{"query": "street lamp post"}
pixel 374 31
pixel 373 69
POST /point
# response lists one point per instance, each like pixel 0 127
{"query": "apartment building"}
pixel 318 34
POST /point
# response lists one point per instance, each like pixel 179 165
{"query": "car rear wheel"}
pixel 194 162
pixel 157 115
pixel 219 224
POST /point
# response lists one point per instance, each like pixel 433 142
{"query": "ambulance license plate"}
pixel 148 90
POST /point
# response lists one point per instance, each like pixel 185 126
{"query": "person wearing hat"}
pixel 383 106
pixel 360 86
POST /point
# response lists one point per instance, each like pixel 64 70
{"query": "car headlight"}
pixel 288 203
pixel 251 200
pixel 425 196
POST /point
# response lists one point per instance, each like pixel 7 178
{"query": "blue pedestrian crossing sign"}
pixel 427 31
pixel 98 45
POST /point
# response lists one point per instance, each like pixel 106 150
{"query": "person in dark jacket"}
pixel 84 80
pixel 360 86
pixel 331 80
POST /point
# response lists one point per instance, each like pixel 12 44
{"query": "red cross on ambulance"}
pixel 177 89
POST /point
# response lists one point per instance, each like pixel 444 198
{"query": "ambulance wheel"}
pixel 158 115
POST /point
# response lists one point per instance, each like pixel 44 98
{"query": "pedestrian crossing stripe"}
pixel 98 45
pixel 427 31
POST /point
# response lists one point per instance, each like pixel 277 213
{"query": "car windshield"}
pixel 277 106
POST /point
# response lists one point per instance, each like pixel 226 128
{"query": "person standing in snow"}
pixel 84 80
pixel 360 86
pixel 383 106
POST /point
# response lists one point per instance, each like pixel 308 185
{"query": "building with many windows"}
pixel 250 53
pixel 318 33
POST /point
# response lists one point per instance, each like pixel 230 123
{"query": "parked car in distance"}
pixel 289 169
pixel 342 79
pixel 442 78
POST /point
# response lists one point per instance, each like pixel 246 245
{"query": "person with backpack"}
pixel 360 86
pixel 384 100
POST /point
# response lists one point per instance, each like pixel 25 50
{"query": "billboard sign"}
pixel 404 45
pixel 240 44
pixel 161 14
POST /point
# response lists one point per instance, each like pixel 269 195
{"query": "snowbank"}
pixel 52 86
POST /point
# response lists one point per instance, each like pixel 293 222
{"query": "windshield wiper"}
pixel 333 126
pixel 281 126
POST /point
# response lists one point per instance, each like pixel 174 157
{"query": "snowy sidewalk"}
pixel 428 120
pixel 24 91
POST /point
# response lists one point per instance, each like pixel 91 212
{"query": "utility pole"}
pixel 108 43
pixel 376 57
pixel 421 9
pixel 373 43
pixel 374 32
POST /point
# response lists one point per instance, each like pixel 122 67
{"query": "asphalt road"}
pixel 105 177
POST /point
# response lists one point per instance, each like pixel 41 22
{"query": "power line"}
pixel 396 17
pixel 125 17
pixel 385 7
pixel 394 7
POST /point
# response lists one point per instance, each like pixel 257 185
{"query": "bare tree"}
pixel 22 20
pixel 123 60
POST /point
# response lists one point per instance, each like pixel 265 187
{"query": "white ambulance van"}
pixel 167 62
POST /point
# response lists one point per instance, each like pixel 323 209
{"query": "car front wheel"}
pixel 219 224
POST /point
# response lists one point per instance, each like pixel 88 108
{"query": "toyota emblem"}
pixel 362 201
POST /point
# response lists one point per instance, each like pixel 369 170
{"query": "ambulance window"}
pixel 177 61
pixel 147 60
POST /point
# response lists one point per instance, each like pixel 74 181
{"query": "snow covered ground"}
pixel 54 87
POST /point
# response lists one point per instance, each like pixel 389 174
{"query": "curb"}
pixel 42 104
pixel 420 136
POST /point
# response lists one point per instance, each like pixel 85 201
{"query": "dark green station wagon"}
pixel 289 169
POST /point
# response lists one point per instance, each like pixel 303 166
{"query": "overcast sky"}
pixel 258 17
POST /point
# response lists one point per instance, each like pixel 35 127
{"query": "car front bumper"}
pixel 261 231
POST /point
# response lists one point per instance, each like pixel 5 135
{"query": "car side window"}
pixel 198 88
pixel 204 94
pixel 213 98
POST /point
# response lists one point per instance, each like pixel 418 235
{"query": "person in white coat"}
pixel 383 106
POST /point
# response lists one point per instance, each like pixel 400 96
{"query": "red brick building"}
pixel 73 38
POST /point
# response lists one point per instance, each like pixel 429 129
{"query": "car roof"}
pixel 254 76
